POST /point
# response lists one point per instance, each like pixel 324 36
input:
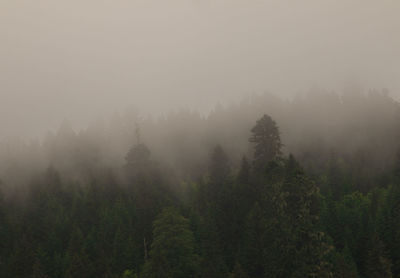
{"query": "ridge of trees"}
pixel 265 213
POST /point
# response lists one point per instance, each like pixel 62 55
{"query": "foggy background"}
pixel 78 60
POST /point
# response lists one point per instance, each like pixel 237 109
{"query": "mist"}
pixel 200 139
pixel 80 60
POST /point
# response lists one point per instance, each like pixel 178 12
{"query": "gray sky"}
pixel 78 59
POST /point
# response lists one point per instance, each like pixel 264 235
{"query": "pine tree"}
pixel 76 259
pixel 149 188
pixel 21 259
pixel 389 226
pixel 244 198
pixel 344 265
pixel 293 245
pixel 221 206
pixel 378 264
pixel 335 177
pixel 253 248
pixel 39 270
pixel 212 263
pixel 138 155
pixel 301 212
pixel 245 193
pixel 244 172
pixel 219 184
pixel 266 137
pixel 219 166
pixel 172 253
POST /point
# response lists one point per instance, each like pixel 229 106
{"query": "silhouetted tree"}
pixel 266 137
pixel 219 166
pixel 138 156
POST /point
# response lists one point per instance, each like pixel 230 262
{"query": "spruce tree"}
pixel 138 155
pixel 301 214
pixel 172 253
pixel 252 255
pixel 267 141
pixel 378 263
pixel 76 259
pixel 344 265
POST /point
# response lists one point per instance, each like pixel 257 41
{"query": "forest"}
pixel 262 187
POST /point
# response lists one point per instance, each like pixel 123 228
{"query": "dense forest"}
pixel 265 187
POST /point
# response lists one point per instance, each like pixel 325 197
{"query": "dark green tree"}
pixel 344 265
pixel 389 226
pixel 212 263
pixel 378 263
pixel 244 174
pixel 150 190
pixel 76 259
pixel 252 254
pixel 39 266
pixel 308 245
pixel 267 141
pixel 172 253
pixel 293 246
pixel 219 166
pixel 221 207
pixel 22 258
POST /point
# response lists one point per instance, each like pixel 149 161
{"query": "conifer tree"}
pixel 244 172
pixel 378 264
pixel 39 270
pixel 389 226
pixel 222 209
pixel 267 141
pixel 219 166
pixel 308 244
pixel 172 253
pixel 344 265
pixel 253 248
pixel 76 259
pixel 293 245
pixel 138 155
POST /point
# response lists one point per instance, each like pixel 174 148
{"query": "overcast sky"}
pixel 77 59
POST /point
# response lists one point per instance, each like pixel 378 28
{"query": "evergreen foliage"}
pixel 269 216
pixel 266 138
pixel 173 249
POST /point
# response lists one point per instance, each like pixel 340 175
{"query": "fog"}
pixel 199 138
pixel 80 60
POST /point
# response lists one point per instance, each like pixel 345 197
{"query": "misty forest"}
pixel 199 139
pixel 264 187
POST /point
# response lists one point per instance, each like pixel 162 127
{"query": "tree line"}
pixel 266 217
